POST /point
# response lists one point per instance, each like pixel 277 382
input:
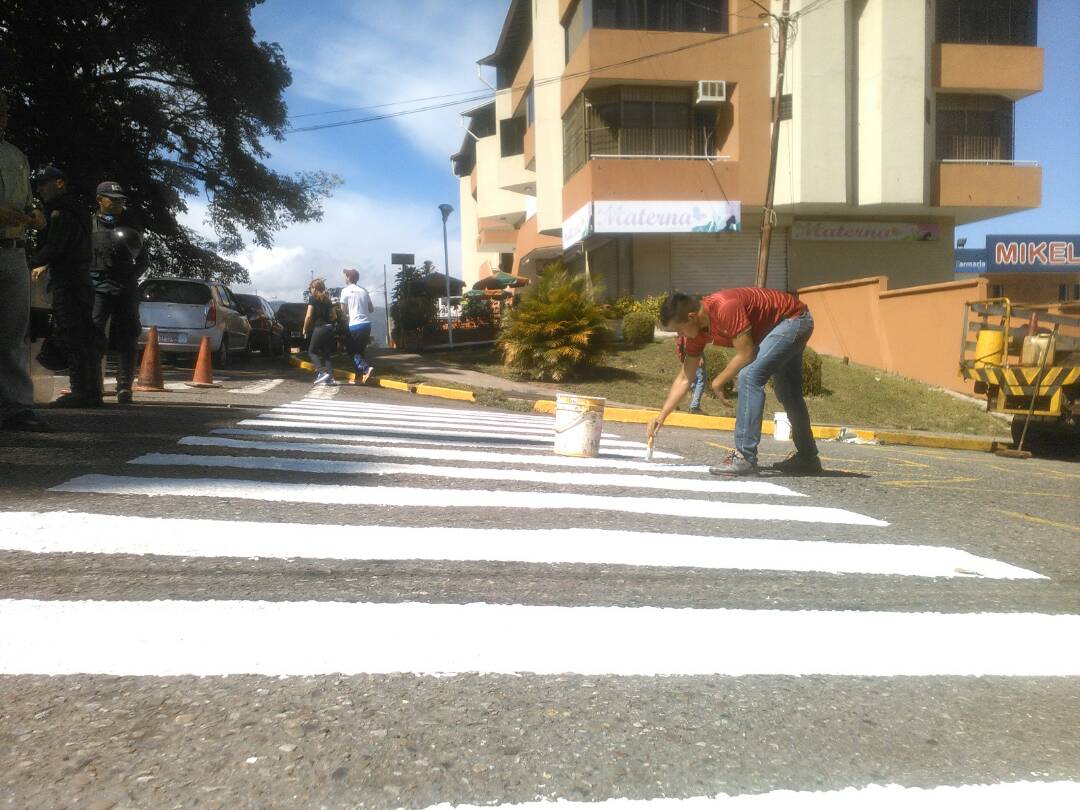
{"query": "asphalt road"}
pixel 268 595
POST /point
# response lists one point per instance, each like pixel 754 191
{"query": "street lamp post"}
pixel 446 211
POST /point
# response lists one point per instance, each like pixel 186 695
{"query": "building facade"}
pixel 631 139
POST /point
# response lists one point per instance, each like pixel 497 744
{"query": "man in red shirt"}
pixel 768 330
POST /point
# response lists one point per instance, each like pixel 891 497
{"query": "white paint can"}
pixel 781 427
pixel 579 421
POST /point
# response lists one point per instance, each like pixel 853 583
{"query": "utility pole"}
pixel 768 215
pixel 386 306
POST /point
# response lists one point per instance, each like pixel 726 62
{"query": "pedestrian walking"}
pixel 17 212
pixel 65 254
pixel 118 258
pixel 769 330
pixel 697 387
pixel 319 330
pixel 358 308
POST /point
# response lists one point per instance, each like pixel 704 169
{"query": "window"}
pixel 174 292
pixel 786 106
pixel 1069 292
pixel 987 22
pixel 512 136
pixel 997 290
pixel 636 120
pixel 662 15
pixel 974 128
pixel 577 25
pixel 530 106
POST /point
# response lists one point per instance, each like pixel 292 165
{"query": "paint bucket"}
pixel 578 424
pixel 781 427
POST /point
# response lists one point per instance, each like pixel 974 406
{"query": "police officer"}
pixel 118 258
pixel 65 253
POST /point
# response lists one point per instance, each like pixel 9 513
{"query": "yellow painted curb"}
pixel 397 385
pixel 425 390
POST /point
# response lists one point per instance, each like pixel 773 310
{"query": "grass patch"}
pixel 854 395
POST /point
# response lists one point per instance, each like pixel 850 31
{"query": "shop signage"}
pixel 577 226
pixel 1033 253
pixel 970 260
pixel 666 216
pixel 865 231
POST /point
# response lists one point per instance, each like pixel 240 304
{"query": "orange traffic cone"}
pixel 204 368
pixel 150 377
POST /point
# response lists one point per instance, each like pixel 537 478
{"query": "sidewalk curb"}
pixel 422 389
pixel 642 416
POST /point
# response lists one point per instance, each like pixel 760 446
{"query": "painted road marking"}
pixel 605 452
pixel 379 420
pixel 378 429
pixel 455 498
pixel 78 533
pixel 1042 795
pixel 207 638
pixel 1041 521
pixel 437 454
pixel 322 466
pixel 464 413
pixel 329 409
pixel 258 388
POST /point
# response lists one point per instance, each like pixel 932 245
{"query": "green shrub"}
pixel 621 307
pixel 556 331
pixel 811 374
pixel 638 328
pixel 650 305
pixel 477 309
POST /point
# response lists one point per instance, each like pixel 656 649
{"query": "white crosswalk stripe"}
pixel 531 516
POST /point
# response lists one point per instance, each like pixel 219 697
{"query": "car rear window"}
pixel 174 292
pixel 291 312
pixel 251 304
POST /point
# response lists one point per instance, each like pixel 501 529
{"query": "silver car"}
pixel 185 310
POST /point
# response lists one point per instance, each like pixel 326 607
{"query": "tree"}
pixel 412 306
pixel 169 99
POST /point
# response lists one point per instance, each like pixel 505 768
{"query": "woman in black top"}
pixel 319 329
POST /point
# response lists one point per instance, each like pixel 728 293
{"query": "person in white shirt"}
pixel 358 309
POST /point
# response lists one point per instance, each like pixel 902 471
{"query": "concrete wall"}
pixel 471 258
pixel 548 62
pixel 914 331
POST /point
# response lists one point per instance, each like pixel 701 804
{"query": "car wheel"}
pixel 221 356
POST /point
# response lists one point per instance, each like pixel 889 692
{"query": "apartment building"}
pixel 630 138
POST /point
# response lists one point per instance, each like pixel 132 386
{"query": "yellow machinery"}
pixel 1027 363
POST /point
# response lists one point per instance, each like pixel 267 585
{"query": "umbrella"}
pixel 487 294
pixel 500 281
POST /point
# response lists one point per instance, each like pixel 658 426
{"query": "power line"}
pixel 536 83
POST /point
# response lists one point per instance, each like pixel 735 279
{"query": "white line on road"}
pixel 84 533
pixel 258 388
pixel 605 452
pixel 322 466
pixel 548 440
pixel 171 638
pixel 402 420
pixel 432 416
pixel 455 498
pixel 464 413
pixel 1041 795
pixel 439 454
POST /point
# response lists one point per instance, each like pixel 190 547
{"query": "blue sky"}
pixel 356 53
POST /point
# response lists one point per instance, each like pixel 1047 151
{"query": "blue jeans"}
pixel 779 356
pixel 359 336
pixel 697 388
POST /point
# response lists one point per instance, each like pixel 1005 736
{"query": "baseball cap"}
pixel 110 188
pixel 48 173
pixel 352 275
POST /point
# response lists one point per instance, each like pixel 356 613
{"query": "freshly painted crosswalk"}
pixel 381 465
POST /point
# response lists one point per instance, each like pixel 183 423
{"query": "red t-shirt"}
pixel 732 312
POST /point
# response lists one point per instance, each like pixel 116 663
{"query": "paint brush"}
pixel 648 447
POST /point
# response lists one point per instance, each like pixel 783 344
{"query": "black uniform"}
pixel 118 258
pixel 66 251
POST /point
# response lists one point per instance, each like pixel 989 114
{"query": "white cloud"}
pixel 356 231
pixel 377 55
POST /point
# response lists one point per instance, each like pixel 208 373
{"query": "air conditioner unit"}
pixel 711 92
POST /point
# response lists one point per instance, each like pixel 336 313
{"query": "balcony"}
pixel 494 236
pixel 1002 70
pixel 639 178
pixel 984 185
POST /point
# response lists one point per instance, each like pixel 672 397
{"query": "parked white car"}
pixel 184 310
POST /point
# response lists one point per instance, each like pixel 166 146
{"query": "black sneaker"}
pixel 74 400
pixel 799 464
pixel 734 465
pixel 123 396
pixel 26 421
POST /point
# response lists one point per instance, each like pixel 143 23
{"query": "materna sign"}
pixel 652 216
